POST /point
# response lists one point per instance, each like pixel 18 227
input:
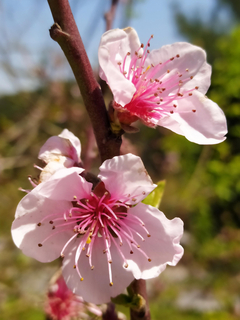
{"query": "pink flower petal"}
pixel 26 233
pixel 114 46
pixel 169 84
pixel 66 144
pixel 66 134
pixel 190 63
pixel 162 247
pixel 64 184
pixel 95 286
pixel 199 119
pixel 125 176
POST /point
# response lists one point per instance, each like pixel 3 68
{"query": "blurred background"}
pixel 39 97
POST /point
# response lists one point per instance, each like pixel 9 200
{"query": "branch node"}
pixel 56 32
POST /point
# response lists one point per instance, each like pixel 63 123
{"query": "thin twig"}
pixel 65 32
pixel 110 15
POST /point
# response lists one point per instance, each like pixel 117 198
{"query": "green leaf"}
pixel 154 198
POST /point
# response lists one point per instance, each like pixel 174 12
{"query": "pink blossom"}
pixel 164 87
pixel 58 152
pixel 62 304
pixel 106 237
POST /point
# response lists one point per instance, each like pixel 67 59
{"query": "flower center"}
pixel 158 87
pixel 99 216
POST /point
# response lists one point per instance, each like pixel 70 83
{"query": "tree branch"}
pixel 110 15
pixel 65 32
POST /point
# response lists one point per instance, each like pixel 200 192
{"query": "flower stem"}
pixel 66 33
pixel 139 287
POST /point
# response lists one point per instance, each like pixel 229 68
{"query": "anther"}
pixel 81 279
pixel 180 75
pixel 40 245
pixel 191 77
pixel 110 261
pixel 149 235
pixel 175 106
pixel 74 197
pixel 136 53
pixel 190 94
pixel 186 70
pixel 62 255
pixel 125 72
pixel 143 192
pixel 128 54
pixel 148 51
pixel 87 255
pixel 155 94
pixel 83 248
pixel 106 193
pixel 171 112
pixel 196 88
pixel 131 252
pixel 126 266
pixel 138 246
pixel 142 45
pixel 152 36
pixel 168 71
pixel 92 267
pixel 193 110
pixel 149 259
pixel 74 267
pixel 120 244
pixel 53 227
pixel 51 222
pixel 172 59
pixel 177 56
pixel 119 63
pixel 111 284
pixel 39 224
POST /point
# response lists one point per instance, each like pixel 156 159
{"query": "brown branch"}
pixel 139 287
pixel 65 32
pixel 110 15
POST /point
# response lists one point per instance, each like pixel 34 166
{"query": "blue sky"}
pixel 25 42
